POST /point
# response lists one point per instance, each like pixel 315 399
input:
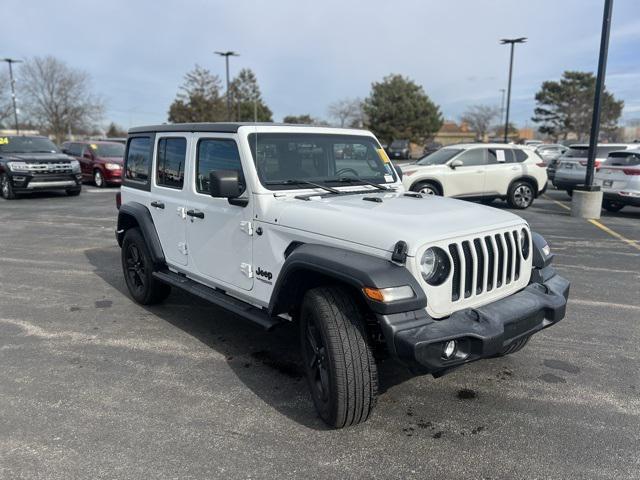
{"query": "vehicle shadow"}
pixel 268 363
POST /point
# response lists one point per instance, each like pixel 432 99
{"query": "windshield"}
pixel 318 158
pixel 583 151
pixel 27 145
pixel 108 149
pixel 623 159
pixel 439 157
pixel 399 144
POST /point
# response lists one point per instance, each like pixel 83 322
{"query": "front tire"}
pixel 339 365
pixel 427 188
pixel 611 206
pixel 6 187
pixel 98 179
pixel 520 195
pixel 138 268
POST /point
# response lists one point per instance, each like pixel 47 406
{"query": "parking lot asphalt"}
pixel 95 386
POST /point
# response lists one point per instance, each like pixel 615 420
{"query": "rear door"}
pixel 167 199
pixel 500 170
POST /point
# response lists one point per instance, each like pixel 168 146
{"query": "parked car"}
pixel 400 150
pixel 100 162
pixel 274 227
pixel 532 143
pixel 30 163
pixel 551 151
pixel 429 148
pixel 479 172
pixel 619 178
pixel 571 168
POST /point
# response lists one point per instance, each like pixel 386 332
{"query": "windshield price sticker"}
pixel 383 155
pixel 500 155
pixel 4 141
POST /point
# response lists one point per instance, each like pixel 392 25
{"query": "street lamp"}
pixel 226 56
pixel 512 42
pixel 11 61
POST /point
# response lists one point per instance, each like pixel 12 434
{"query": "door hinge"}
pixel 246 227
pixel 182 247
pixel 246 269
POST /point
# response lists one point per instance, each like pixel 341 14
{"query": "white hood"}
pixel 417 221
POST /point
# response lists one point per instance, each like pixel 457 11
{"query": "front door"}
pixel 219 234
pixel 167 200
pixel 467 180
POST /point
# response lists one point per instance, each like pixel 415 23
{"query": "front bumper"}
pixel 28 182
pixel 113 176
pixel 417 340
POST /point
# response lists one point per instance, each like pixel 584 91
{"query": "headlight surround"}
pixel 112 166
pixel 435 266
pixel 525 243
pixel 18 166
pixel 75 166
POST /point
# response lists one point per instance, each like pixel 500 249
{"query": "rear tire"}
pixel 427 188
pixel 611 206
pixel 570 192
pixel 6 188
pixel 521 194
pixel 339 365
pixel 138 269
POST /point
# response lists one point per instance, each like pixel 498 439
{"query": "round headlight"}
pixel 435 266
pixel 524 243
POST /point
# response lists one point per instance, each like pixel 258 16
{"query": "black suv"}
pixel 399 149
pixel 30 163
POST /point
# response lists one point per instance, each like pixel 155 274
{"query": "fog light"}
pixel 449 349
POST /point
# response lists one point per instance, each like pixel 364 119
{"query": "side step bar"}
pixel 255 315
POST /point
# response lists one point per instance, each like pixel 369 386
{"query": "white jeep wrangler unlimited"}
pixel 285 223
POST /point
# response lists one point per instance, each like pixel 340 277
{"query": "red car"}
pixel 100 162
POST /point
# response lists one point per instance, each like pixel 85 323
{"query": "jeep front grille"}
pixel 485 264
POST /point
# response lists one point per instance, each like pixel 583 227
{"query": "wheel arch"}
pixel 434 181
pixel 136 215
pixel 312 265
pixel 527 178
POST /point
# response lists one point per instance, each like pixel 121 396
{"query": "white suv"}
pixel 311 225
pixel 619 177
pixel 480 172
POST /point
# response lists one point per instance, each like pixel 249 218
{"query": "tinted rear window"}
pixel 623 159
pixel 582 152
pixel 138 160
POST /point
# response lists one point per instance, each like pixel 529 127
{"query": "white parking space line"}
pixel 100 190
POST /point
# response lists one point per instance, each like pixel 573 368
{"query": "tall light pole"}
pixel 502 91
pixel 512 42
pixel 11 61
pixel 226 56
pixel 602 68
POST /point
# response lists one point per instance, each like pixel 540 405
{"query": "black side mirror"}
pixel 227 184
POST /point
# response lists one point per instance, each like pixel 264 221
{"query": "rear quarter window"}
pixel 137 168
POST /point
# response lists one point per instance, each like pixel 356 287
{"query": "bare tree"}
pixel 6 108
pixel 479 118
pixel 347 112
pixel 58 98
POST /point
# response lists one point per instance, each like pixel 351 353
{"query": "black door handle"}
pixel 195 213
pixel 157 204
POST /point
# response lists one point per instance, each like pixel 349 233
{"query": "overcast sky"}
pixel 307 54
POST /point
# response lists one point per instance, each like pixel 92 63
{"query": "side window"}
pixel 521 155
pixel 475 156
pixel 74 149
pixel 138 161
pixel 170 160
pixel 215 154
pixel 500 155
pixel 84 149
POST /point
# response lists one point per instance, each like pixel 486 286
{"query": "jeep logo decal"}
pixel 264 273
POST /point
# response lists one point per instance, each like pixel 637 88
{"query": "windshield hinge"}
pixel 246 227
pixel 399 254
pixel 246 269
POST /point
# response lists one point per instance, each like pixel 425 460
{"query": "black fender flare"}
pixel 134 214
pixel 355 269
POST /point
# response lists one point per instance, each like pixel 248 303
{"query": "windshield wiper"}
pixel 304 182
pixel 361 180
